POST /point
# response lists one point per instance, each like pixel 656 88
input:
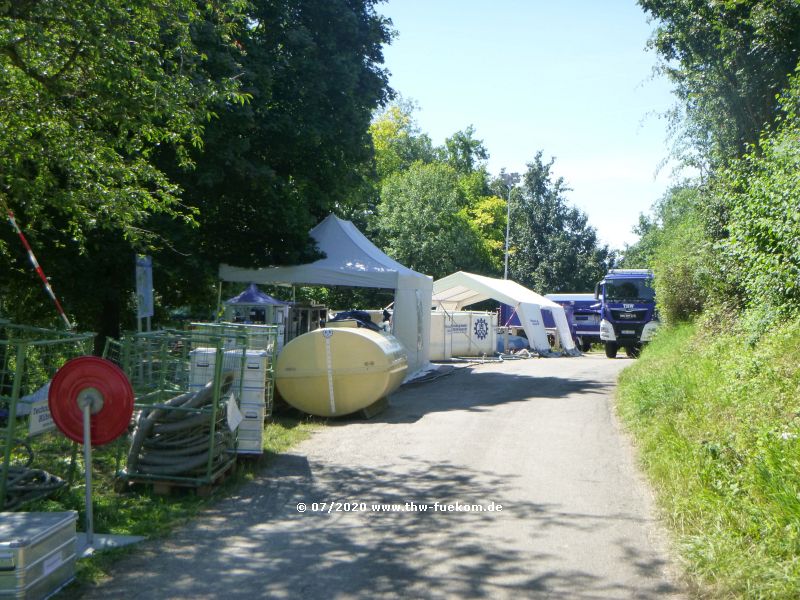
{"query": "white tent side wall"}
pixel 562 325
pixel 411 323
pixel 530 316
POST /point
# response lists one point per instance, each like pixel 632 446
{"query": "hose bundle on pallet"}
pixel 175 438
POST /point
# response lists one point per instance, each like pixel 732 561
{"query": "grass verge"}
pixel 717 421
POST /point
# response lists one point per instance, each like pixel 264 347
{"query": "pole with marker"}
pixel 38 269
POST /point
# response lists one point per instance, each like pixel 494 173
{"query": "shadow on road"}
pixel 257 545
pixel 483 389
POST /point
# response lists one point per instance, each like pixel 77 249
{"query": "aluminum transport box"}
pixel 37 553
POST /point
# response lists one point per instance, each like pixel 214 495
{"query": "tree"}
pixel 397 139
pixel 762 252
pixel 675 243
pixel 728 60
pixel 88 92
pixel 422 221
pixel 402 152
pixel 463 152
pixel 552 247
pixel 272 168
pixel 668 212
pixel 487 216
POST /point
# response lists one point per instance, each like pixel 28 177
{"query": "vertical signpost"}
pixel 144 290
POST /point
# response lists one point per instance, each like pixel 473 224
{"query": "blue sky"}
pixel 569 77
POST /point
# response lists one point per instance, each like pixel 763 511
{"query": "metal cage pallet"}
pixel 29 358
pixel 181 437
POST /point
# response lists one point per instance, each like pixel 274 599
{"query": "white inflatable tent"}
pixel 352 260
pixel 461 289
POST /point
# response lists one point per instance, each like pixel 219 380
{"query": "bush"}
pixel 762 191
pixel 683 269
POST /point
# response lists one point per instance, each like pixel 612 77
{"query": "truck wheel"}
pixel 586 345
pixel 633 351
pixel 611 349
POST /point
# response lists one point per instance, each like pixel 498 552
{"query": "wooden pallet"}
pixel 168 487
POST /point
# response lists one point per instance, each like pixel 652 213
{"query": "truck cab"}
pixel 628 317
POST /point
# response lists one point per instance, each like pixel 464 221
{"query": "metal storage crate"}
pixel 37 553
pixel 256 337
pixel 29 358
pixel 182 434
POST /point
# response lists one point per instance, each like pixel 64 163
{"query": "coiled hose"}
pixel 24 484
pixel 175 439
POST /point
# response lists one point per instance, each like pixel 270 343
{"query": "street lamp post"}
pixel 510 179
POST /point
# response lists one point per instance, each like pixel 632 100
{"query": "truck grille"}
pixel 625 331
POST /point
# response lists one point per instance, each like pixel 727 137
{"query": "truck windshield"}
pixel 630 290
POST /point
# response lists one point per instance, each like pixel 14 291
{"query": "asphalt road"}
pixel 537 437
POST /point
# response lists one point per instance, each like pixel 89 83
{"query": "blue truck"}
pixel 628 316
pixel 584 315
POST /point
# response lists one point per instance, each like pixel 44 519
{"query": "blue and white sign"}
pixel 144 286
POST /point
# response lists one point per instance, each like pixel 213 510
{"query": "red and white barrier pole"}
pixel 38 269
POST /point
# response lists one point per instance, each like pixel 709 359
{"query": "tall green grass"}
pixel 717 420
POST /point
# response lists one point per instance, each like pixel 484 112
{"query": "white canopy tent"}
pixel 461 289
pixel 352 260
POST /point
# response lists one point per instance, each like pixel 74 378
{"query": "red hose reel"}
pixel 99 383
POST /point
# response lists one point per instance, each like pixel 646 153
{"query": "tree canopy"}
pixel 198 131
pixel 423 222
pixel 729 241
pixel 273 167
pixel 729 61
pixel 552 246
pixel 88 91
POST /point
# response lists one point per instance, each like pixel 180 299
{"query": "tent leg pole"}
pixel 219 300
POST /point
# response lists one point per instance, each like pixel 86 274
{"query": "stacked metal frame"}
pixel 29 358
pixel 184 432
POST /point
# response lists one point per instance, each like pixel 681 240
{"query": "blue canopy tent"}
pixel 254 306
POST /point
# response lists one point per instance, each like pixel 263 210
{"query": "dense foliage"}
pixel 88 90
pixel 299 149
pixel 762 193
pixel 728 60
pixel 734 245
pixel 199 132
pixel 423 223
pixel 674 242
pixel 713 402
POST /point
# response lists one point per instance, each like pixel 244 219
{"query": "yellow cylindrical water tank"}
pixel 337 371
